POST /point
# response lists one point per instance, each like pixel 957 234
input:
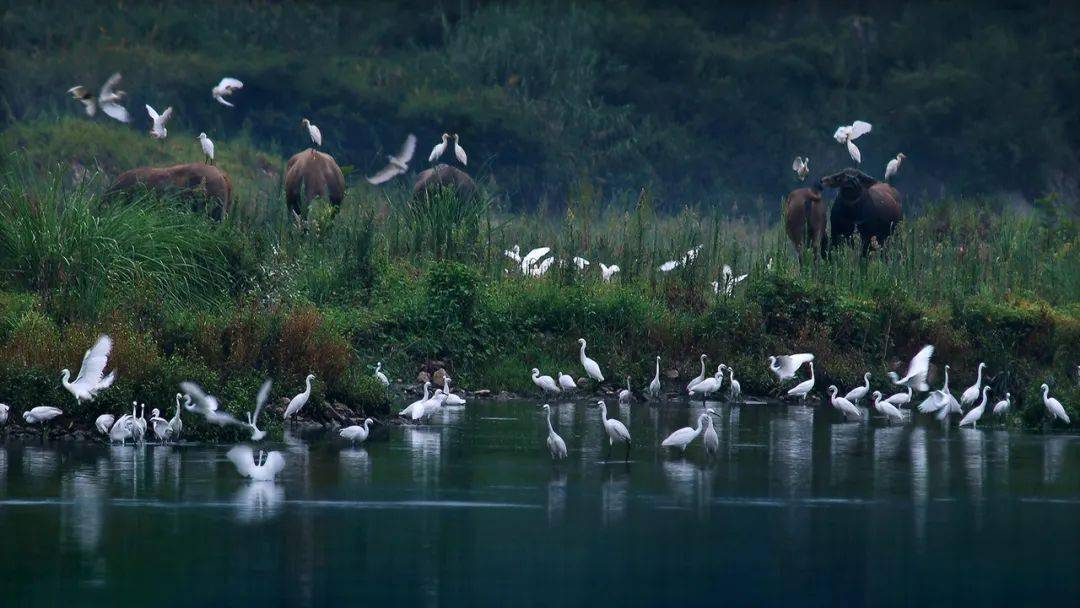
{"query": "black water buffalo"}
pixel 863 204
pixel 806 217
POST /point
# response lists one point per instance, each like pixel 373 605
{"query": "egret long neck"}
pixel 978 379
pixel 657 369
pixel 550 429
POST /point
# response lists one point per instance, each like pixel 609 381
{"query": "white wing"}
pixel 842 134
pixel 203 402
pixel 919 367
pixel 243 458
pixel 790 363
pixel 407 149
pixel 436 152
pixel 859 128
pixel 388 173
pixel 154 116
pixel 533 256
pixel 853 150
pixel 260 399
pixel 316 134
pixel 890 169
pixel 116 111
pixel 459 152
pixel 229 84
pixel 222 101
pixel 669 266
pixel 107 88
pixel 275 463
pixel 166 115
pixel 93 364
pixel 513 255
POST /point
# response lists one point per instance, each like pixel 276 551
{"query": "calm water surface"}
pixel 799 508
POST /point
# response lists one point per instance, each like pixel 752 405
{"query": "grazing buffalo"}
pixel 311 174
pixel 806 218
pixel 199 183
pixel 863 204
pixel 445 176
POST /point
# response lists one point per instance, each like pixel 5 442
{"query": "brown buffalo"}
pixel 200 183
pixel 864 204
pixel 806 218
pixel 445 176
pixel 311 174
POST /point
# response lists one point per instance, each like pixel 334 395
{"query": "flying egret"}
pixel 976 412
pixel 541 269
pixel 1052 405
pixel 158 130
pixel 555 444
pixel 916 373
pixel 300 400
pixel 383 380
pixel 802 389
pixel 900 399
pixel 701 376
pixel 418 404
pixel 90 380
pixel 260 402
pixel 626 395
pixel 207 148
pixel 845 407
pixel 856 394
pixel 85 97
pixel 243 457
pixel 608 271
pixel 356 433
pixel 160 426
pixel 848 135
pixel 1002 407
pixel 894 166
pixel 207 406
pixel 451 398
pixel 735 388
pixel 591 367
pixel 439 149
pixel 683 437
pixel 546 383
pixel 104 422
pixel 801 167
pixel 616 431
pixel 225 88
pixel 566 382
pixel 886 409
pixel 654 386
pixel 109 99
pixel 397 164
pixel 785 366
pixel 459 152
pixel 314 132
pixel 708 386
pixel 972 393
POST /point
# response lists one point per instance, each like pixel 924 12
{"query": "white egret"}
pixel 41 414
pixel 973 416
pixel 566 382
pixel 90 380
pixel 735 388
pixel 121 430
pixel 626 395
pixel 429 407
pixel 243 457
pixel 140 422
pixel 313 132
pixel 260 402
pixel 801 167
pixel 225 88
pixel 459 152
pixel 591 367
pixel 683 437
pixel 514 253
pixel 900 399
pixel 397 164
pixel 1052 405
pixel 802 389
pixel 708 386
pixel 845 407
pixel 104 422
pixel 207 406
pixel 160 426
pixel 418 404
pixel 555 444
pixel 580 262
pixel 669 265
pixel 886 409
pixel 532 258
pixel 894 166
pixel 107 99
pixel 541 269
pixel 785 366
pixel 546 383
pixel 451 398
pixel 940 401
pixel 616 430
pixel 85 97
pixel 439 149
pixel 158 130
pixel 847 134
pixel 857 393
pixel 1002 407
pixel 709 437
pixel 654 386
pixel 176 425
pixel 300 400
pixel 727 281
pixel 608 271
pixel 916 372
pixel 701 376
pixel 972 393
pixel 356 433
pixel 383 380
pixel 207 148
pixel 5 411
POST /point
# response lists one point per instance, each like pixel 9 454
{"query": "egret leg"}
pixel 627 459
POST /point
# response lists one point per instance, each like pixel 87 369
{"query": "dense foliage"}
pixel 700 101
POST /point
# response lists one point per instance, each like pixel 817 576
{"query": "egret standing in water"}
pixel 1002 407
pixel 683 437
pixel 701 376
pixel 243 457
pixel 848 134
pixel 857 393
pixel 419 404
pixel 886 409
pixel 972 393
pixel 44 413
pixel 709 436
pixel 1052 405
pixel 176 425
pixel 626 395
pixel 566 383
pixel 300 400
pixel 555 444
pixel 160 426
pixel 900 399
pixel 709 386
pixel 356 433
pixel 103 423
pixel 591 367
pixel 654 386
pixel 976 412
pixel 90 380
pixel 546 383
pixel 845 407
pixel 802 389
pixel 735 388
pixel 616 431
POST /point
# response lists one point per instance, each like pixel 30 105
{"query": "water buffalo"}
pixel 865 204
pixel 445 176
pixel 805 218
pixel 197 182
pixel 310 174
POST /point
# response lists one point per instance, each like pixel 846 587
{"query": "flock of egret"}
pixel 846 135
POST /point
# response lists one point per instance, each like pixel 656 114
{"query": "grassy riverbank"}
pixel 228 305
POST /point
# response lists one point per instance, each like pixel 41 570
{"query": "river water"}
pixel 798 508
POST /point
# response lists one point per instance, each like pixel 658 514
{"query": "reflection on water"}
pixel 470 507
